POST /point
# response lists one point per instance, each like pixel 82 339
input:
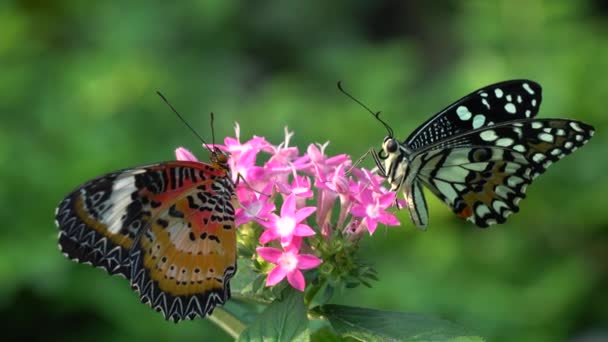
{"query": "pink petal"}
pixel 271 222
pixel 303 230
pixel 296 279
pixel 314 153
pixel 241 217
pixel 289 206
pixel 268 235
pixel 275 276
pixel 388 219
pixel 371 225
pixel 366 197
pixel 358 210
pixel 308 261
pixel 269 254
pixel 286 240
pixel 386 200
pixel 183 154
pixel 337 160
pixel 294 246
pixel 303 213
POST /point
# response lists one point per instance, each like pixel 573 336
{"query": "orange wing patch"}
pixel 188 255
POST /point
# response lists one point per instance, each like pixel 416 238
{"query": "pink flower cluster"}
pixel 293 180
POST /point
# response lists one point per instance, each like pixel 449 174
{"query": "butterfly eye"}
pixel 392 146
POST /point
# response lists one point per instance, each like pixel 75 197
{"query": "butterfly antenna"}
pixel 375 114
pixel 183 120
pixel 212 131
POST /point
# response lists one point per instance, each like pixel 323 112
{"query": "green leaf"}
pixel 283 320
pixel 376 325
pixel 325 334
pixel 243 280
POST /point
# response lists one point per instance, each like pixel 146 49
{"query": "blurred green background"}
pixel 77 99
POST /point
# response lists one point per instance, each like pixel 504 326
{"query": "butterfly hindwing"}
pixel 139 222
pixel 183 262
pixel 485 180
pixel 493 104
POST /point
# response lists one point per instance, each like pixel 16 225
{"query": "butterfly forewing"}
pixel 167 227
pixel 99 222
pixel 496 103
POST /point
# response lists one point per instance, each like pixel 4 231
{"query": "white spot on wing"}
pixel 537 125
pixel 546 137
pixel 478 120
pixel 519 132
pixel 528 113
pixel 519 148
pixel 514 181
pixel 533 102
pixel 485 103
pixel 538 157
pixel 488 135
pixel 463 113
pixel 498 205
pixel 503 191
pixel 528 89
pixel 498 92
pixel 504 142
pixel 568 144
pixel 510 108
pixel 482 210
pixel 119 199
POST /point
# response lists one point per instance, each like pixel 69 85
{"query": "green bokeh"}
pixel 77 99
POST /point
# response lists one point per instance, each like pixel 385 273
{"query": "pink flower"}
pixel 372 209
pixel 253 205
pixel 288 264
pixel 183 154
pixel 288 224
pixel 300 186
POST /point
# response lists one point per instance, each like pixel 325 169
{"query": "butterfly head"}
pixel 390 158
pixel 219 159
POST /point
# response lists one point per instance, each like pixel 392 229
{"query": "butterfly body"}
pixel 479 154
pixel 168 228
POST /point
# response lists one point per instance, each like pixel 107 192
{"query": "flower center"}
pixel 286 225
pixel 372 211
pixel 254 209
pixel 288 261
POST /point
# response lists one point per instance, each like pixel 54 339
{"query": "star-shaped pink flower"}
pixel 372 208
pixel 288 224
pixel 288 264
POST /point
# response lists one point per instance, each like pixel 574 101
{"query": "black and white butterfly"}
pixel 480 153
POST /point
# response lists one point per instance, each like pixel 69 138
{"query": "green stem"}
pixel 249 299
pixel 228 322
pixel 313 292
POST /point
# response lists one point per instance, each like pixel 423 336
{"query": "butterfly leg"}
pixel 416 203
